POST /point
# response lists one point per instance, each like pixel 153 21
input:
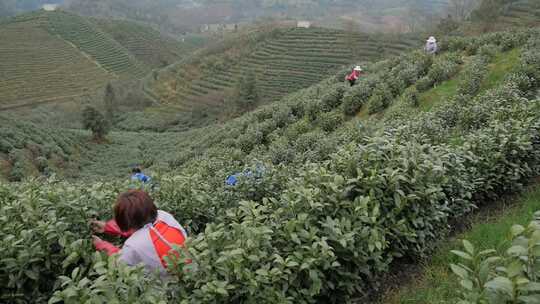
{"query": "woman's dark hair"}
pixel 134 209
pixel 136 170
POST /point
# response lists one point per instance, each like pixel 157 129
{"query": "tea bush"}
pixel 380 99
pixel 472 77
pixel 488 51
pixel 30 148
pixel 510 277
pixel 357 96
pixel 330 121
pixel 333 98
pixel 425 83
pixel 444 67
pixel 410 97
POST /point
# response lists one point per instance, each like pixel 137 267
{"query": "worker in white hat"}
pixel 431 46
pixel 354 75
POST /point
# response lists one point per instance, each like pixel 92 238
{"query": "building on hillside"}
pixel 303 24
pixel 219 27
pixel 50 7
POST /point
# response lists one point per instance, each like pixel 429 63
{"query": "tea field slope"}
pixel 145 43
pixel 521 13
pixel 36 66
pixel 100 46
pixel 31 150
pixel 285 61
pixel 56 56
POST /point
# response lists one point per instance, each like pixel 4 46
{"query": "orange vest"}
pixel 163 241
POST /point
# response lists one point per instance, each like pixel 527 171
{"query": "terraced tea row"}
pixel 522 12
pixel 53 56
pixel 146 44
pixel 92 41
pixel 36 66
pixel 292 59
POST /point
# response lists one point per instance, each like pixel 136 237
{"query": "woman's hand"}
pixel 102 245
pixel 96 240
pixel 98 226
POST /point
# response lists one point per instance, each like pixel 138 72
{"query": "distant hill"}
pixel 13 7
pixel 283 61
pixel 190 15
pixel 54 56
pixel 521 13
pixel 145 43
pixel 499 15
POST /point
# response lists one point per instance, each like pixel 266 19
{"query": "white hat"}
pixel 432 39
pixel 357 68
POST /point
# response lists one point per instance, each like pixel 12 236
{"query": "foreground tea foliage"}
pixel 508 277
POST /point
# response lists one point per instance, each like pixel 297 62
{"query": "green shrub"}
pixel 308 141
pixel 328 122
pixel 488 51
pixel 456 44
pixel 530 64
pixel 5 146
pixel 313 109
pixel 94 121
pixel 41 163
pixel 357 96
pixel 410 97
pixel 425 83
pixel 380 99
pixel 471 79
pixel 521 81
pixel 281 152
pixel 298 128
pixel 251 138
pixel 117 283
pixel 510 277
pixel 444 68
pixel 333 97
pixel 282 116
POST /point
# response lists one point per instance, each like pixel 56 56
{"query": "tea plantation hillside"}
pixel 326 205
pixel 145 43
pixel 28 150
pixel 36 66
pixel 521 13
pixel 502 15
pixel 54 56
pixel 263 131
pixel 283 61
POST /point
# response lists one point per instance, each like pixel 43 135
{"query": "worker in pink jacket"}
pixel 354 75
pixel 151 233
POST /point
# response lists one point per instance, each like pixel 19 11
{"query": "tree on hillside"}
pixel 461 9
pixel 246 92
pixel 447 25
pixel 109 101
pixel 94 121
pixel 488 11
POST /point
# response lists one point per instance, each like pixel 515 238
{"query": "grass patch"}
pixel 503 64
pixel 441 92
pixel 489 229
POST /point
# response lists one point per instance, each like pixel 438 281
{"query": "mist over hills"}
pixel 188 15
